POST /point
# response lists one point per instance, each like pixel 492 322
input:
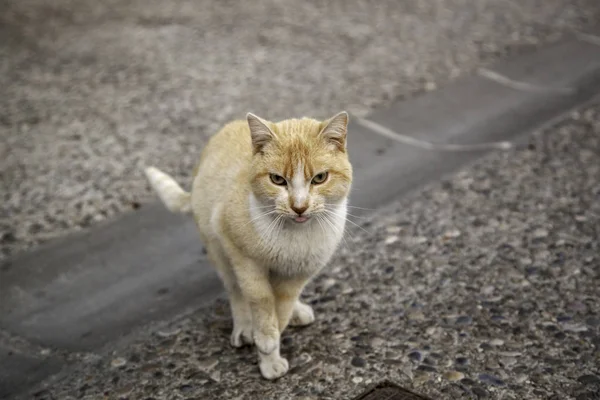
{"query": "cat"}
pixel 270 202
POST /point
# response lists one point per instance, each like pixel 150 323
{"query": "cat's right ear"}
pixel 259 131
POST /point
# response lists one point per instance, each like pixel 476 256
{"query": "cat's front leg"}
pixel 256 288
pixel 290 311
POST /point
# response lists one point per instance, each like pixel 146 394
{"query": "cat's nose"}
pixel 300 209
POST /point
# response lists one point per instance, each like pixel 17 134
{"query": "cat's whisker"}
pixel 349 233
pixel 343 235
pixel 261 207
pixel 361 208
pixel 348 206
pixel 349 220
pixel 280 226
pixel 264 234
pixel 358 226
pixel 335 228
pixel 263 214
pixel 352 215
pixel 326 219
pixel 258 217
pixel 318 218
pixel 274 229
pixel 346 230
pixel 274 226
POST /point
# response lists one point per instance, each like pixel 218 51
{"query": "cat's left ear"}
pixel 336 129
pixel 259 131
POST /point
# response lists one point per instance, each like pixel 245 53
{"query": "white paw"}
pixel 242 334
pixel 273 367
pixel 303 315
pixel 266 344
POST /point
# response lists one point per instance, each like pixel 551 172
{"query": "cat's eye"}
pixel 319 178
pixel 278 180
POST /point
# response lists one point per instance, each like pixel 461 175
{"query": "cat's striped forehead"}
pixel 300 161
pixel 300 149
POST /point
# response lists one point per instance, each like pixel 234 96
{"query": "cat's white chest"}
pixel 301 249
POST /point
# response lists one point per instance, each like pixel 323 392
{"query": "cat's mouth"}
pixel 301 219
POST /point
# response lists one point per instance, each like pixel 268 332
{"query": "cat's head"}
pixel 300 167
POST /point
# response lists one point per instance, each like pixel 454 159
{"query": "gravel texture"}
pixel 482 286
pixel 93 90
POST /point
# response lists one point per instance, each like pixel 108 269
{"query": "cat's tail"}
pixel 172 195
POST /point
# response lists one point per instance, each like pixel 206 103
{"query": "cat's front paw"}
pixel 302 315
pixel 265 343
pixel 273 367
pixel 242 335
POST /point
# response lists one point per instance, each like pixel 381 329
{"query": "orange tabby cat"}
pixel 269 200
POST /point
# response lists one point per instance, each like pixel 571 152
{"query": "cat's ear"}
pixel 259 131
pixel 336 129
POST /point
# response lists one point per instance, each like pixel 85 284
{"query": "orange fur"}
pixel 265 239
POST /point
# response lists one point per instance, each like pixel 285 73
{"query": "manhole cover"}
pixel 389 391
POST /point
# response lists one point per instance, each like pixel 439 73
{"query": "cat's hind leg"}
pixel 240 310
pixel 302 314
pixel 242 319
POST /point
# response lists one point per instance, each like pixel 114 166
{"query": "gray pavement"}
pixel 87 295
pixel 484 285
pixel 93 90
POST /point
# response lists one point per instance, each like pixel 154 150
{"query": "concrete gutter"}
pixel 87 293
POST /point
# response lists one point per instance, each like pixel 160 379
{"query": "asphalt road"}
pixel 484 285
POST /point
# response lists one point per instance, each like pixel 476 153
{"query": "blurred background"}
pixel 91 91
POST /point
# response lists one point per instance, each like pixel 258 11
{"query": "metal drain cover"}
pixel 389 391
